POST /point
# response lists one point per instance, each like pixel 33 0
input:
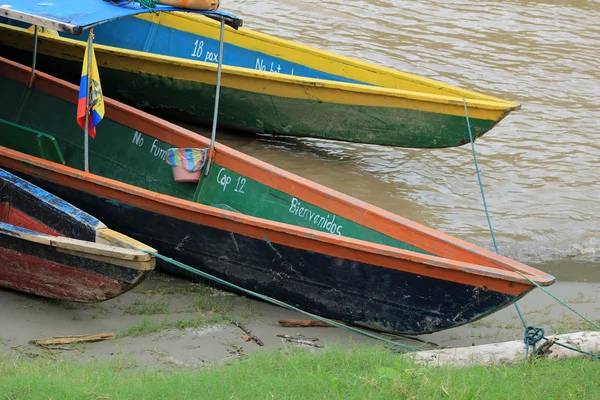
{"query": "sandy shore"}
pixel 202 334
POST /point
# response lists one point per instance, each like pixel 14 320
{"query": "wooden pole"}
pixel 95 337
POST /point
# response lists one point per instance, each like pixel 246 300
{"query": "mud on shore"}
pixel 171 322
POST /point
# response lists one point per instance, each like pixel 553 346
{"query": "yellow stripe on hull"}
pixel 273 84
pixel 315 58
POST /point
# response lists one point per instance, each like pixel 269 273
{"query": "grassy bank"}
pixel 357 373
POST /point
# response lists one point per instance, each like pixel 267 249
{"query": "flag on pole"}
pixel 89 88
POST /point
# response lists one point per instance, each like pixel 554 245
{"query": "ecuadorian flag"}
pixel 90 86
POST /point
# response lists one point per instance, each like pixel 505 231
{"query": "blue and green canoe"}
pixel 166 62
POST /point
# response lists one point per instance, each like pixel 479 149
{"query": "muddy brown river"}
pixel 540 169
pixel 540 166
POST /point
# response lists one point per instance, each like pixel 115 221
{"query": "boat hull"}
pixel 50 248
pixel 255 225
pixel 42 270
pixel 361 293
pixel 271 103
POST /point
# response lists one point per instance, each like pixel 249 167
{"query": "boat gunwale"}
pixel 372 250
pixel 345 60
pixel 84 248
pixel 116 242
pixel 456 101
pixel 22 187
pixel 504 269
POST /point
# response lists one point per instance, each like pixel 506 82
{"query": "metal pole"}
pixel 87 102
pixel 214 124
pixel 35 45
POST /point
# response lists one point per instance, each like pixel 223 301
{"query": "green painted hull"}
pixel 362 282
pixel 271 114
pixel 123 154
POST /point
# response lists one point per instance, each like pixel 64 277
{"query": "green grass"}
pixel 568 323
pixel 357 373
pixel 224 304
pixel 64 304
pixel 143 307
pixel 581 298
pixel 492 323
pixel 166 288
pixel 148 326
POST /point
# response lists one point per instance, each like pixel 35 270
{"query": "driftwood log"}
pixel 509 352
pixel 301 323
pixel 57 340
pixel 300 340
pixel 248 334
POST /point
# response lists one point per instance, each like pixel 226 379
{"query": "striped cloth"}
pixel 190 159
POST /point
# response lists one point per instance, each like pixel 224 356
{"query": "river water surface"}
pixel 540 166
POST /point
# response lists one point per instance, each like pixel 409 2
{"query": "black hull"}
pixel 380 298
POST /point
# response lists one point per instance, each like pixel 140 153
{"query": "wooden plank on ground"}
pixel 303 323
pixel 95 337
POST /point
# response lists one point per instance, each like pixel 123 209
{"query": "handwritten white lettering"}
pixel 198 45
pixel 210 56
pixel 158 151
pixel 273 67
pixel 320 221
pixel 137 139
pixel 223 179
pixel 239 185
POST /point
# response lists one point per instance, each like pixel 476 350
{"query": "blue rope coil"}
pixel 532 336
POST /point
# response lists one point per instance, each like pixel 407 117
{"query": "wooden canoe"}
pixel 50 248
pixel 165 62
pixel 251 223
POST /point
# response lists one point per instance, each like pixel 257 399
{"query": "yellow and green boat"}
pixel 166 62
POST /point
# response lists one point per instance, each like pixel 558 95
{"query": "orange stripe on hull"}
pixel 475 266
pixel 370 216
pixel 305 239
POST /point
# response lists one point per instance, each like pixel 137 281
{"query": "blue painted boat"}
pixel 50 248
pixel 165 62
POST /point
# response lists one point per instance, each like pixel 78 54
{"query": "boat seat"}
pixel 30 141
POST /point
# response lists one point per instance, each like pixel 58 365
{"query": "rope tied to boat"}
pixel 532 334
pixel 279 303
pixel 149 4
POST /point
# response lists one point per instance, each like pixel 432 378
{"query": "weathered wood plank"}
pixel 95 337
pixel 100 249
pixel 114 238
pixel 300 323
pixel 140 265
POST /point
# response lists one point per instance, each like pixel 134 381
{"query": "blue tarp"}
pixel 73 16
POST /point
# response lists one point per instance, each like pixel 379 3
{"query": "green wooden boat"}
pixel 166 62
pixel 240 219
pixel 248 222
